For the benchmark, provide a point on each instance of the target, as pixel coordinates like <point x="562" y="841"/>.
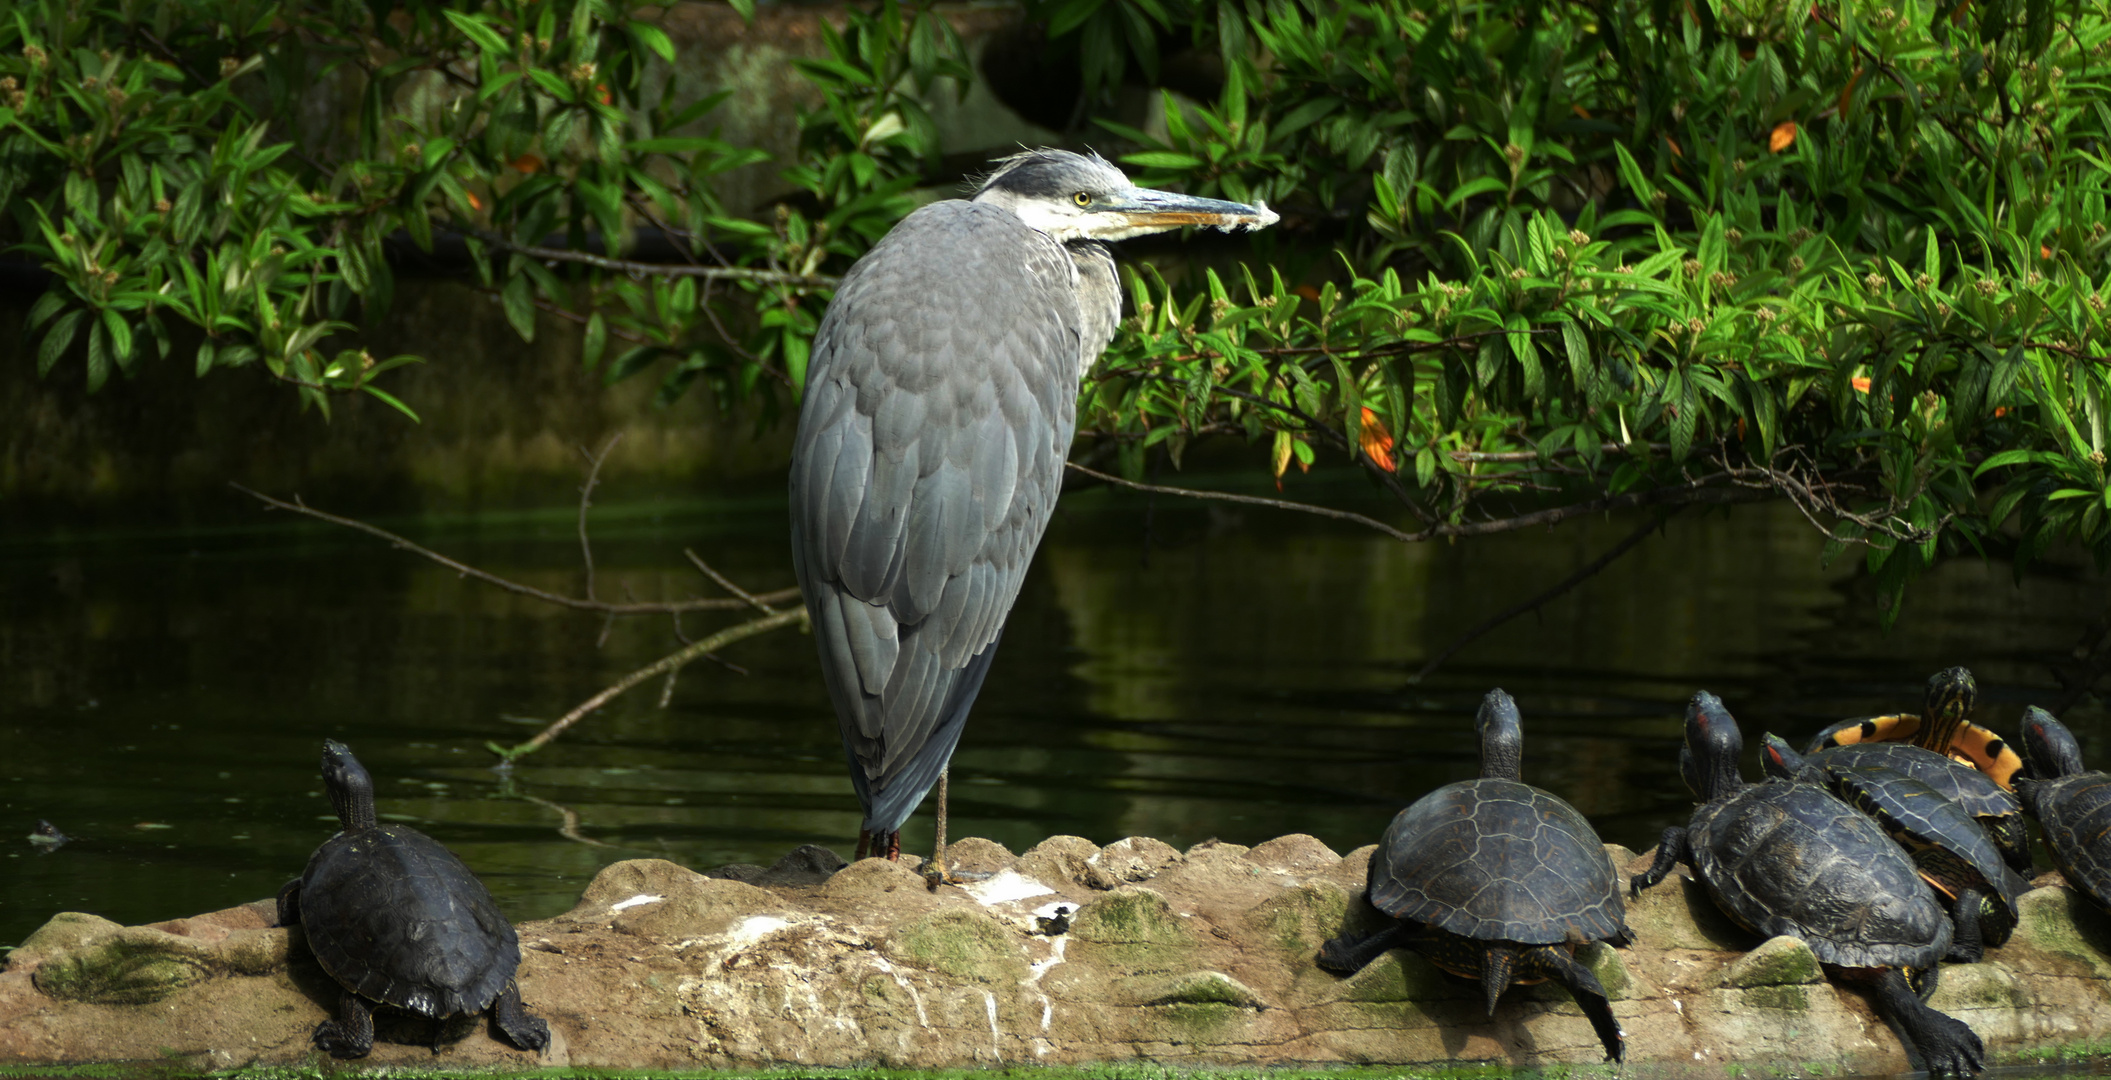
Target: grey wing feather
<point x="939" y="407"/>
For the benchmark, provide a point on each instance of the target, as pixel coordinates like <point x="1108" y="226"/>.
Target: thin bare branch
<point x="728" y="585"/>
<point x="670" y="662"/>
<point x="464" y="569"/>
<point x="1247" y="500"/>
<point x="646" y="269"/>
<point x="1579" y="577"/>
<point x="568" y="826"/>
<point x="586" y="499"/>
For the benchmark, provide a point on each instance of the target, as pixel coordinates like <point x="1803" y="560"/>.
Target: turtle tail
<point x="1498" y="971"/>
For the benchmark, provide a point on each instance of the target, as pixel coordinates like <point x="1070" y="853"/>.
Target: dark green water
<point x="163" y="695"/>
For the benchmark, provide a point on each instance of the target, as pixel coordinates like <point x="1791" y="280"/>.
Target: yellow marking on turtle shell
<point x="1973" y="745"/>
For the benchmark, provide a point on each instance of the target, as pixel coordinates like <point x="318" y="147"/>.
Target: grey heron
<point x="940" y="399"/>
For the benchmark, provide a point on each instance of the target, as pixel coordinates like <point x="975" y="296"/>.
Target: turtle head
<point x="1713" y="746"/>
<point x="1778" y="759"/>
<point x="1951" y="694"/>
<point x="2048" y="746"/>
<point x="351" y="789"/>
<point x="1502" y="737"/>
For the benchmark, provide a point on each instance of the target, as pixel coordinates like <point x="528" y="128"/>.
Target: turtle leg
<point x="1945" y="1044"/>
<point x="290" y="903"/>
<point x="1556" y="964"/>
<point x="1672" y="849"/>
<point x="1351" y="953"/>
<point x="1965" y="946"/>
<point x="351" y="1035"/>
<point x="522" y="1028"/>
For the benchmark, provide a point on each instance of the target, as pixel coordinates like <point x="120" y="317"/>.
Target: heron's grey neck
<point x="1099" y="298"/>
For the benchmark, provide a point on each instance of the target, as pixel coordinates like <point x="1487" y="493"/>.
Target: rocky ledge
<point x="1068" y="954"/>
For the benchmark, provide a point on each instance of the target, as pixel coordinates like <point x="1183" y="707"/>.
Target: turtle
<point x="394" y="917"/>
<point x="1787" y="857"/>
<point x="1954" y="854"/>
<point x="1935" y="727"/>
<point x="1496" y="880"/>
<point x="1982" y="791"/>
<point x="2072" y="805"/>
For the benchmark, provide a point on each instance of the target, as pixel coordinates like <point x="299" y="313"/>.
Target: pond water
<point x="1173" y="669"/>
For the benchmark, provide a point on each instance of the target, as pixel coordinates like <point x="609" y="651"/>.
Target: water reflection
<point x="1179" y="671"/>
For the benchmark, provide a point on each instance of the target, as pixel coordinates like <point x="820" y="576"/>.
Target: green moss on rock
<point x="123" y="970"/>
<point x="1778" y="961"/>
<point x="1302" y="919"/>
<point x="963" y="943"/>
<point x="1203" y="988"/>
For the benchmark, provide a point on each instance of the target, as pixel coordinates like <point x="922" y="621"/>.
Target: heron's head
<point x="1082" y="197"/>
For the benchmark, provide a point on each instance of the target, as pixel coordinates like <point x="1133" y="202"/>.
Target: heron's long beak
<point x="1139" y="211"/>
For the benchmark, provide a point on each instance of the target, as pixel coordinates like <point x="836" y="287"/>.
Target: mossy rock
<point x="64" y="932"/>
<point x="1778" y="961"/>
<point x="2059" y="921"/>
<point x="1679" y="914"/>
<point x="1131" y="931"/>
<point x="964" y="943"/>
<point x="1203" y="988"/>
<point x="133" y="968"/>
<point x="1979" y="986"/>
<point x="1300" y="920"/>
<point x="1778" y="998"/>
<point x="1401" y="975"/>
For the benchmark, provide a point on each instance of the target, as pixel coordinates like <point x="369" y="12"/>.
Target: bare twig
<point x="573" y="602"/>
<point x="568" y="826"/>
<point x="727" y="585"/>
<point x="586" y="499"/>
<point x="1715" y="487"/>
<point x="646" y="269"/>
<point x="1579" y="577"/>
<point x="670" y="662"/>
<point x="1249" y="500"/>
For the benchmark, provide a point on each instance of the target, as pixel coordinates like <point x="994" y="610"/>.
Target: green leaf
<point x="593" y="342"/>
<point x="653" y="38"/>
<point x="1163" y="159"/>
<point x="519" y="302"/>
<point x="57" y="340"/>
<point x="475" y="28"/>
<point x="391" y="400"/>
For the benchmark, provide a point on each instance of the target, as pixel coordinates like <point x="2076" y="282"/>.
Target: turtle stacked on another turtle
<point x="2071" y="803"/>
<point x="1788" y="858"/>
<point x="1953" y="852"/>
<point x="1962" y="761"/>
<point x="1496" y="880"/>
<point x="395" y="918"/>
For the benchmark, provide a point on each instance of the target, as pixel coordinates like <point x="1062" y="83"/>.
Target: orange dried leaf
<point x="1861" y="384"/>
<point x="474" y="202"/>
<point x="1377" y="442"/>
<point x="1849" y="91"/>
<point x="2044" y="251"/>
<point x="1784" y="136"/>
<point x="1674" y="146"/>
<point x="1580" y="111"/>
<point x="2000" y="410"/>
<point x="527" y="163"/>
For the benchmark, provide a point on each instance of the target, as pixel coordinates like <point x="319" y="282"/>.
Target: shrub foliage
<point x="1572" y="257"/>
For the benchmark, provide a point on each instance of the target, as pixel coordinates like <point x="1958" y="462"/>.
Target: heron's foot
<point x="934" y="871"/>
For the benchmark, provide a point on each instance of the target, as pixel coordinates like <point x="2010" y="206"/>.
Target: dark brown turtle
<point x="2072" y="805"/>
<point x="395" y="918"/>
<point x="1787" y="857"/>
<point x="1496" y="880"/>
<point x="1953" y="852"/>
<point x="1966" y="763"/>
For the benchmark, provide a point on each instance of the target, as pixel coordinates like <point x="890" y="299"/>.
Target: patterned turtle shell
<point x="2071" y="803"/>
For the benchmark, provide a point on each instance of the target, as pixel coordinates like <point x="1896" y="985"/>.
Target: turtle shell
<point x="1951" y="848"/>
<point x="1973" y="745"/>
<point x="393" y="916"/>
<point x="2075" y="811"/>
<point x="1998" y="810"/>
<point x="1787" y="857"/>
<point x="1498" y="860"/>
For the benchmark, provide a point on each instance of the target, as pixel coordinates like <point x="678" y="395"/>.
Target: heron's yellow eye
<point x="1082" y="198"/>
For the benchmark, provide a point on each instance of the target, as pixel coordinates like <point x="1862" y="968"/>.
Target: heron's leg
<point x="522" y="1028"/>
<point x="351" y="1035"/>
<point x="935" y="870"/>
<point x="864" y="845"/>
<point x="892" y="849"/>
